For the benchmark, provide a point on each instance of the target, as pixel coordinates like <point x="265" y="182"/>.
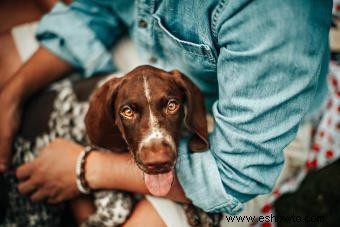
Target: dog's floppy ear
<point x="195" y="118"/>
<point x="99" y="120"/>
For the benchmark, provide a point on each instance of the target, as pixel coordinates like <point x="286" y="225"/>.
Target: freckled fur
<point x="155" y="132"/>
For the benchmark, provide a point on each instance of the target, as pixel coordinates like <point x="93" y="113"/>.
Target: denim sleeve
<point x="82" y="34"/>
<point x="272" y="59"/>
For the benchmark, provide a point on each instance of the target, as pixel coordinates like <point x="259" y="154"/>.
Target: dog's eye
<point x="172" y="106"/>
<point x="127" y="112"/>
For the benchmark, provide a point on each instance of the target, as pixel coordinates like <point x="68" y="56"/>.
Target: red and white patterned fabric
<point x="336" y="8"/>
<point x="325" y="147"/>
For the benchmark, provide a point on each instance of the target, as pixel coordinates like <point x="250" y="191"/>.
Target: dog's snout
<point x="157" y="157"/>
<point x="156" y="154"/>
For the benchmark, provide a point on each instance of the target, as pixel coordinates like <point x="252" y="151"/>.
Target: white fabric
<point x="172" y="213"/>
<point x="24" y="39"/>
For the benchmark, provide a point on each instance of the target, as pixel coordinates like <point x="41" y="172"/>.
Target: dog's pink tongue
<point x="159" y="184"/>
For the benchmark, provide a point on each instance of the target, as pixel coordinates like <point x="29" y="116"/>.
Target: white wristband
<point x="80" y="171"/>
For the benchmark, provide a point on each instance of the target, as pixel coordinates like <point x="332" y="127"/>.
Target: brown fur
<point x="108" y="129"/>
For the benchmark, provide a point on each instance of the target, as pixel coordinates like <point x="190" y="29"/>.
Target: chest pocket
<point x="190" y="57"/>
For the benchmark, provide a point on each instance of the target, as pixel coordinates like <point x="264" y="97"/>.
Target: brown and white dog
<point x="143" y="113"/>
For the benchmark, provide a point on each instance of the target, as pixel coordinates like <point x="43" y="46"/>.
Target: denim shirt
<point x="260" y="64"/>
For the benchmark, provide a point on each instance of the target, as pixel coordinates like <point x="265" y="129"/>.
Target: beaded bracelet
<point x="80" y="170"/>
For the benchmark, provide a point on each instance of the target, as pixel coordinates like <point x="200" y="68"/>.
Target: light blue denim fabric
<point x="260" y="64"/>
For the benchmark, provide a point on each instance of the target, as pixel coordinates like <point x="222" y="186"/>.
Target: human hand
<point x="52" y="174"/>
<point x="9" y="123"/>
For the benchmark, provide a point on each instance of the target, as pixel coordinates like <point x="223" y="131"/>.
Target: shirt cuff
<point x="199" y="176"/>
<point x="66" y="35"/>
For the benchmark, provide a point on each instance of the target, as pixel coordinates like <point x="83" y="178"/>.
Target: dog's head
<point x="143" y="112"/>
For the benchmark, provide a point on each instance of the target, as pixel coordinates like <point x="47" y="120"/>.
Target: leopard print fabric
<point x="65" y="114"/>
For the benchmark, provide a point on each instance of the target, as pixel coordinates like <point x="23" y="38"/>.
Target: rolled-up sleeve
<point x="82" y="34"/>
<point x="269" y="72"/>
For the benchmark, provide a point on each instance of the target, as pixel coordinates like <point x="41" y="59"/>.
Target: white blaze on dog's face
<point x="150" y="118"/>
<point x="156" y="134"/>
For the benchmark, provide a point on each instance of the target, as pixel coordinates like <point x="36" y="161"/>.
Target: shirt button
<point x="152" y="59"/>
<point x="142" y="23"/>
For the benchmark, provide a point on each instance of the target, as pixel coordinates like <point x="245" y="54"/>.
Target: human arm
<point x="78" y="36"/>
<point x="269" y="71"/>
<point x="119" y="171"/>
<point x="82" y="34"/>
<point x="40" y="70"/>
<point x="103" y="170"/>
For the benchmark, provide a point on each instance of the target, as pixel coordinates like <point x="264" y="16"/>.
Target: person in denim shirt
<point x="261" y="66"/>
